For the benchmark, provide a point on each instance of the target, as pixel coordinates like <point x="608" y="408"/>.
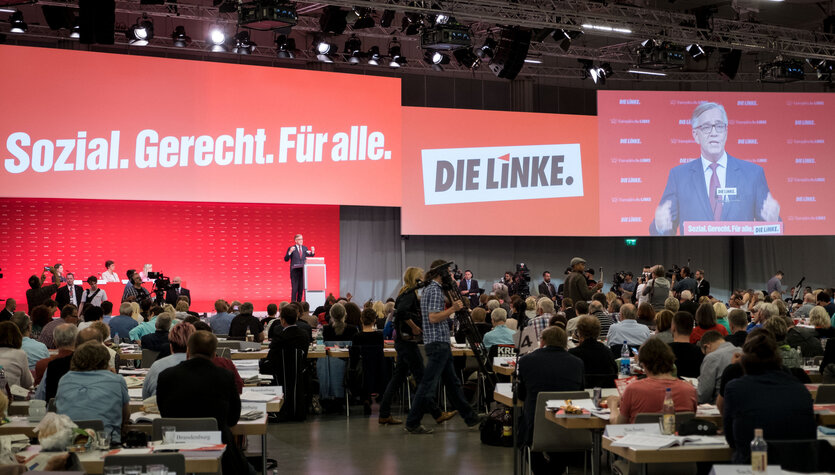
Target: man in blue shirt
<point x="628" y="329"/>
<point x="500" y="334"/>
<point x="220" y="322"/>
<point x="439" y="357"/>
<point x="35" y="350"/>
<point x="122" y="325"/>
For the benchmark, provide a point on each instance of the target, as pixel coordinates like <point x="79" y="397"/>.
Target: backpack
<point x="497" y="428"/>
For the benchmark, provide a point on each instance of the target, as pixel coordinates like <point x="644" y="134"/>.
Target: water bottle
<point x="668" y="417"/>
<point x="4" y="385"/>
<point x="759" y="453"/>
<point x="624" y="359"/>
<point x="116" y="339"/>
<point x="320" y="339"/>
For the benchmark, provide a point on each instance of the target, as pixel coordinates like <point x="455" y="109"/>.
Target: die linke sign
<point x="482" y="174"/>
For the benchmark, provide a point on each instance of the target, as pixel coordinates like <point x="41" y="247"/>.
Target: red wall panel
<point x="221" y="250"/>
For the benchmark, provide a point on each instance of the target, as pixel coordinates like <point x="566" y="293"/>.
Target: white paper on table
<point x="618" y="430"/>
<point x="503" y="360"/>
<point x="135" y="393"/>
<point x="134" y="451"/>
<point x="707" y="410"/>
<point x="274" y="390"/>
<point x="249" y="396"/>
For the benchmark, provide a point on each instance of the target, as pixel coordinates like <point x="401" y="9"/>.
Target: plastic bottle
<point x="4" y="385"/>
<point x="249" y="336"/>
<point x="624" y="359"/>
<point x="668" y="419"/>
<point x="507" y="424"/>
<point x="759" y="453"/>
<point x="320" y="339"/>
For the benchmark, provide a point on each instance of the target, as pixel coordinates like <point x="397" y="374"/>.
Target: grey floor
<point x="335" y="444"/>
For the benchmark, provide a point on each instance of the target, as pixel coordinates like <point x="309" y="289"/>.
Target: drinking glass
<point x="168" y="434"/>
<point x="111" y="470"/>
<point x="132" y="470"/>
<point x="157" y="469"/>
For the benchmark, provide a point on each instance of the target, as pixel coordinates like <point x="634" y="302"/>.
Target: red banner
<point x="112" y="126"/>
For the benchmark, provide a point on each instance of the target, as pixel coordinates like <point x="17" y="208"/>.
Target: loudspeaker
<point x="729" y="63"/>
<point x="511" y="52"/>
<point x="97" y="21"/>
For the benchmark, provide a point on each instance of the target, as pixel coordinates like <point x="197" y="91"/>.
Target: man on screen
<point x="717" y="187"/>
<point x="297" y="254"/>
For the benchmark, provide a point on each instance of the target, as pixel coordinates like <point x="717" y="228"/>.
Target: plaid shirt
<point x="540" y="323"/>
<point x="131" y="291"/>
<point x="432" y="301"/>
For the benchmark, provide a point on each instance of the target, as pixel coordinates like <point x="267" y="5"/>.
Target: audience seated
<point x="738" y="321"/>
<point x="198" y="388"/>
<point x="628" y="329"/>
<point x="596" y="310"/>
<point x="646" y="316"/>
<point x="158" y="341"/>
<point x="330" y="370"/>
<point x="122" y="324"/>
<point x="544" y="311"/>
<point x="35" y="350"/>
<point x="65" y="336"/>
<point x="664" y="325"/>
<point x="90" y="391"/>
<point x="92" y="314"/>
<point x="14" y="361"/>
<point x="177" y="342"/>
<point x="721" y="312"/>
<point x="688" y="357"/>
<point x="819" y="319"/>
<point x="647" y="395"/>
<point x="220" y="362"/>
<point x="500" y="334"/>
<point x="244" y="322"/>
<point x="687" y="304"/>
<point x="599" y="365"/>
<point x="804" y="338"/>
<point x="788" y="355"/>
<point x="672" y="304"/>
<point x="550" y="368"/>
<point x="705" y="322"/>
<point x="69" y="314"/>
<point x="718" y="356"/>
<point x="766" y="398"/>
<point x="40" y="316"/>
<point x="145" y="328"/>
<point x="221" y="321"/>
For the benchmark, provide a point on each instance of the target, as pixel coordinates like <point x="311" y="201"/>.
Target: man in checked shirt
<point x="439" y="359"/>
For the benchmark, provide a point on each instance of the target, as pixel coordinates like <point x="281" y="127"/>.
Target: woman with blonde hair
<point x="819" y="318"/>
<point x="722" y="315"/>
<point x="136" y="312"/>
<point x="407" y="327"/>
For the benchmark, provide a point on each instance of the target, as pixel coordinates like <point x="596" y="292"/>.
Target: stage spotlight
<point x="286" y="47"/>
<point x="141" y="32"/>
<point x="387" y="19"/>
<point x="243" y="45"/>
<point x="565" y="37"/>
<point x="364" y="19"/>
<point x="823" y="68"/>
<point x="218" y="38"/>
<point x="696" y="51"/>
<point x="323" y="50"/>
<point x="466" y="58"/>
<point x="487" y="50"/>
<point x="397" y="59"/>
<point x="353" y="48"/>
<point x="597" y="74"/>
<point x="75" y="32"/>
<point x="179" y="36"/>
<point x="374" y="56"/>
<point x="436" y="59"/>
<point x="412" y="22"/>
<point x="18" y="25"/>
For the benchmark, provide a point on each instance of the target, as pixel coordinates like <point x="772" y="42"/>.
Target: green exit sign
<point x="631" y="242"/>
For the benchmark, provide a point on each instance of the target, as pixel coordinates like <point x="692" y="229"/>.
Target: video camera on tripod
<point x="162" y="284"/>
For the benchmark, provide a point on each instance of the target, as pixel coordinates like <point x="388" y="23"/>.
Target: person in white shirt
<point x="110" y="275"/>
<point x="93" y="296"/>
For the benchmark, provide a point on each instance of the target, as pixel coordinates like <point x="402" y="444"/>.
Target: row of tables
<point x="642" y="457"/>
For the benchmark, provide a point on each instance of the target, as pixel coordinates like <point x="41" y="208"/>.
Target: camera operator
<point x="684" y="282"/>
<point x="657" y="289"/>
<point x="135" y="292"/>
<point x="172" y="295"/>
<point x="629" y="283"/>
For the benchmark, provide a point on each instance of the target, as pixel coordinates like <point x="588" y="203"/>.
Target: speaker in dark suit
<point x="199" y="388"/>
<point x="469" y="288"/>
<point x="63" y="296"/>
<point x="297" y="254"/>
<point x="173" y="294"/>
